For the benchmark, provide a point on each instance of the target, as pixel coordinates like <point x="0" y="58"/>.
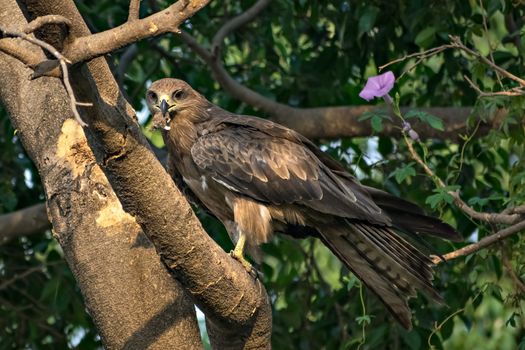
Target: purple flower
<point x="378" y="86"/>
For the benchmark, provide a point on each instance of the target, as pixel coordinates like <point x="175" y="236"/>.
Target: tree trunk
<point x="237" y="307"/>
<point x="132" y="299"/>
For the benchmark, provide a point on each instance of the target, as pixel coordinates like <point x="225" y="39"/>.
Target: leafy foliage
<point x="319" y="53"/>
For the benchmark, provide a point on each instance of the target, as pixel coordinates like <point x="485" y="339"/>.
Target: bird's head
<point x="168" y="97"/>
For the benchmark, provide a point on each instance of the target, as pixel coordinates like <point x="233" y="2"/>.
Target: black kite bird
<point x="259" y="177"/>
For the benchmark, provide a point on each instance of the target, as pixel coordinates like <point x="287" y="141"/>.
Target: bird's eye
<point x="152" y="96"/>
<point x="179" y="94"/>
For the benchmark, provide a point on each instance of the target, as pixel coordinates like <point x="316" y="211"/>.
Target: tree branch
<point x="23" y="222"/>
<point x="510" y="270"/>
<point x="63" y="61"/>
<point x="39" y="22"/>
<point x="455" y="43"/>
<point x="20" y="276"/>
<point x="236" y="22"/>
<point x="323" y="122"/>
<point x="134" y="10"/>
<point x="88" y="47"/>
<point x="125" y="59"/>
<point x="29" y="58"/>
<point x="483" y="243"/>
<point x="501" y="218"/>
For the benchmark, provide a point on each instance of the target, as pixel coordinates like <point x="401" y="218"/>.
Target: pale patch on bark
<point x="113" y="214"/>
<point x="153" y="28"/>
<point x="72" y="147"/>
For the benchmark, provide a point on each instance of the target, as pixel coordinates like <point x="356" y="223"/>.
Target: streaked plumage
<point x="259" y="177"/>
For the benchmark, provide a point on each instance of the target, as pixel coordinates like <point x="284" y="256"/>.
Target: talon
<point x="237" y="254"/>
<point x="245" y="263"/>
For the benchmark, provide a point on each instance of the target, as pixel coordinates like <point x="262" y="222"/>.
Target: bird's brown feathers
<point x="258" y="177"/>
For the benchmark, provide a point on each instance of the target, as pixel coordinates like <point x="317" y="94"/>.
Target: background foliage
<point x="307" y="54"/>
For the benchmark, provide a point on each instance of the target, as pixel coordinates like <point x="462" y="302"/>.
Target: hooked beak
<point x="164" y="107"/>
<point x="162" y="120"/>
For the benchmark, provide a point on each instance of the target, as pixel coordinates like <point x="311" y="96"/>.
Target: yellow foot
<point x="245" y="263"/>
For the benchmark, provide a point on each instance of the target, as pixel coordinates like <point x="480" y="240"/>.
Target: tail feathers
<point x="428" y="225"/>
<point x="410" y="218"/>
<point x="388" y="293"/>
<point x="389" y="265"/>
<point x="405" y="265"/>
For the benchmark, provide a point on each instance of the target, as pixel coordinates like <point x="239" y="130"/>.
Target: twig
<point x="134" y="10"/>
<point x="500" y="218"/>
<point x="510" y="270"/>
<point x="236" y="22"/>
<point x="24" y="274"/>
<point x="125" y="59"/>
<point x="43" y="20"/>
<point x="420" y="55"/>
<point x="61" y="59"/>
<point x="485" y="26"/>
<point x="483" y="243"/>
<point x="509" y="93"/>
<point x="455" y="43"/>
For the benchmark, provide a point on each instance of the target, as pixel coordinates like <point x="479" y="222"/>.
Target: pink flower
<point x="378" y="86"/>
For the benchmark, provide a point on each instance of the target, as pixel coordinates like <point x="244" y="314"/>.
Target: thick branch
<point x="26" y="56"/>
<point x="331" y="122"/>
<point x="483" y="243"/>
<point x="23" y="222"/>
<point x="88" y="47"/>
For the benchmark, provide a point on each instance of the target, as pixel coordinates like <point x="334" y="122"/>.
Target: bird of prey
<point x="259" y="177"/>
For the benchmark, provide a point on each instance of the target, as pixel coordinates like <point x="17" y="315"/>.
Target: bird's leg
<point x="238" y="254"/>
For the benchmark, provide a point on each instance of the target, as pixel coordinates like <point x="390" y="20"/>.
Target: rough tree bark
<point x="236" y="306"/>
<point x="132" y="299"/>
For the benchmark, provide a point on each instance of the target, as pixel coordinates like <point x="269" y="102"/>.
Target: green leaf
<point x="381" y="113"/>
<point x="412" y="339"/>
<point x="377" y="123"/>
<point x="351" y="282"/>
<point x="404" y="173"/>
<point x="367" y="20"/>
<point x="434" y="200"/>
<point x="363" y="319"/>
<point x="427" y="118"/>
<point x="426" y="37"/>
<point x="441" y="196"/>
